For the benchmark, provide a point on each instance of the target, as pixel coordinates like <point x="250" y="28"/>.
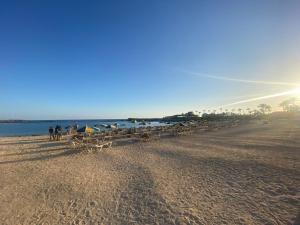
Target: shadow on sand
<point x="61" y="148"/>
<point x="32" y="152"/>
<point x="42" y="157"/>
<point x="297" y="221"/>
<point x="40" y="140"/>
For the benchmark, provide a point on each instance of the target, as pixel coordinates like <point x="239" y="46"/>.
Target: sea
<point x="29" y="128"/>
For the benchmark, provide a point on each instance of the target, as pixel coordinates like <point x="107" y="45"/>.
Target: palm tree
<point x="264" y="108"/>
<point x="232" y="111"/>
<point x="240" y="111"/>
<point x="290" y="105"/>
<point x="249" y="110"/>
<point x="256" y="112"/>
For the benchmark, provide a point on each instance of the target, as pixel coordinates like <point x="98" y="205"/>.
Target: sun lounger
<point x="76" y="143"/>
<point x="98" y="147"/>
<point x="97" y="142"/>
<point x="89" y="144"/>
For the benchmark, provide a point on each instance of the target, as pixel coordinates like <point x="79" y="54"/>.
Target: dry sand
<point x="248" y="174"/>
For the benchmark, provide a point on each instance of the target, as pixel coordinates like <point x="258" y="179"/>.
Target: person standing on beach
<point x="51" y="133"/>
<point x="58" y="132"/>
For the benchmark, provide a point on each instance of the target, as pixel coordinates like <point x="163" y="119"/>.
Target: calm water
<point x="41" y="127"/>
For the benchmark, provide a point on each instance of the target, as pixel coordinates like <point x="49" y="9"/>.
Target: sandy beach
<point x="249" y="174"/>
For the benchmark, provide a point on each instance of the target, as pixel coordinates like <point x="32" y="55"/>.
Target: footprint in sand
<point x="79" y="222"/>
<point x="92" y="204"/>
<point x="72" y="203"/>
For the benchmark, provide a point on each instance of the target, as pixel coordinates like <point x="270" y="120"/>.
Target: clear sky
<point x="116" y="59"/>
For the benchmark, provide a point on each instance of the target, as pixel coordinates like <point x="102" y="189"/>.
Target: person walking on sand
<point x="51" y="133"/>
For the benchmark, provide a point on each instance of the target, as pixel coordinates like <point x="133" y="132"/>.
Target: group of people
<point x="55" y="133"/>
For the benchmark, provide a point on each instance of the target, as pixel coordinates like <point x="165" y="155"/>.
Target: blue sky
<point x="116" y="59"/>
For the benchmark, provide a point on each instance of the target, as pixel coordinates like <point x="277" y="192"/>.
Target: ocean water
<point x="41" y="127"/>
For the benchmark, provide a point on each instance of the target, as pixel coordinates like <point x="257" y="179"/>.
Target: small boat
<point x="116" y="124"/>
<point x="112" y="126"/>
<point x="182" y="124"/>
<point x="96" y="129"/>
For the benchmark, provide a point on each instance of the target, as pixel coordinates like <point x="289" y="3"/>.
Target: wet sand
<point x="248" y="174"/>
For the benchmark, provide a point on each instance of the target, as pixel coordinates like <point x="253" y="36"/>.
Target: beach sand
<point x="249" y="174"/>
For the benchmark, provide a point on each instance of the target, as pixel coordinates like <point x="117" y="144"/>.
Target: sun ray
<point x="240" y="80"/>
<point x="285" y="93"/>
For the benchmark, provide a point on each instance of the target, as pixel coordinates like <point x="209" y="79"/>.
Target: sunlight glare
<point x="292" y="92"/>
<point x="298" y="92"/>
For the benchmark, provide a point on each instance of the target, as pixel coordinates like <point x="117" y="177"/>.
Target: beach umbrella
<point x="85" y="129"/>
